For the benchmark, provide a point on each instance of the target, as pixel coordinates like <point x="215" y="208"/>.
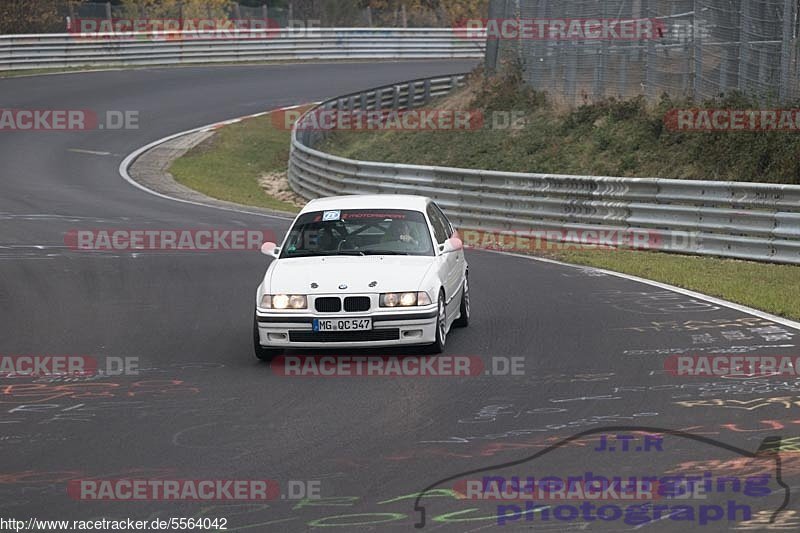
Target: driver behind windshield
<point x="399" y="230"/>
<point x="360" y="233"/>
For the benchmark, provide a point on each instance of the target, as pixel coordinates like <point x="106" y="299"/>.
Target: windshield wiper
<point x="348" y="252"/>
<point x="378" y="252"/>
<point x="326" y="254"/>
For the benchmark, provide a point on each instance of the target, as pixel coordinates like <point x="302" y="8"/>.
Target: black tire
<point x="441" y="328"/>
<point x="261" y="353"/>
<point x="463" y="320"/>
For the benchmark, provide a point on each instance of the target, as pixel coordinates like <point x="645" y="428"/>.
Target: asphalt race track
<point x="593" y="348"/>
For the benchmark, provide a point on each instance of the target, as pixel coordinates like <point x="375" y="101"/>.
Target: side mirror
<point x="271" y="249"/>
<point x="453" y="244"/>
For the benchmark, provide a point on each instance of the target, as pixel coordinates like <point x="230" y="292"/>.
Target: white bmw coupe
<point x="363" y="271"/>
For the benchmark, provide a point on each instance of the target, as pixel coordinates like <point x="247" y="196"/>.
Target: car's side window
<point x="438" y="223"/>
<point x="446" y="221"/>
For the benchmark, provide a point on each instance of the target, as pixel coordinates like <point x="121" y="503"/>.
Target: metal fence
<point x="704" y="48"/>
<point x="754" y="221"/>
<point x="18" y="52"/>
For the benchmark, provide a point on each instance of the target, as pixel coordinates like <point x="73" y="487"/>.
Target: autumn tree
<point x="24" y="16"/>
<point x="446" y="11"/>
<point x="187" y="9"/>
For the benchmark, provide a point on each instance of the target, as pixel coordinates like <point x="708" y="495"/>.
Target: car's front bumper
<point x="415" y="326"/>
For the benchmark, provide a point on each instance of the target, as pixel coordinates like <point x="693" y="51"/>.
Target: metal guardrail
<point x="19" y="52"/>
<point x="754" y="221"/>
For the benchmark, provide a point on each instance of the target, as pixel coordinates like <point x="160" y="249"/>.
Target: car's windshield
<point x="359" y="232"/>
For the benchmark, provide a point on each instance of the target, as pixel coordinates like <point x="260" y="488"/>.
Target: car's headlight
<point x="284" y="301"/>
<point x="404" y="299"/>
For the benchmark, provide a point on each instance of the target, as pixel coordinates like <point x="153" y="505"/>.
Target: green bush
<point x="606" y="137"/>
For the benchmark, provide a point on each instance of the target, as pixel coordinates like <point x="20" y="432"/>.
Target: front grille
<point x="328" y="305"/>
<point x="354" y="304"/>
<point x="392" y="334"/>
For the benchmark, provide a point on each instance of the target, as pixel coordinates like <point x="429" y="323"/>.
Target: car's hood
<point x="392" y="273"/>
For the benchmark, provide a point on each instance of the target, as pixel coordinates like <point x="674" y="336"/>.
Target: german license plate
<point x="344" y="324"/>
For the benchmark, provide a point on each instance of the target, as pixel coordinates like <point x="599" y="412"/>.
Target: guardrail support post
<point x="786" y="51"/>
<point x="723" y="71"/>
<point x="650" y="72"/>
<point x="427" y="96"/>
<point x="744" y="39"/>
<point x="625" y="60"/>
<point x="600" y="63"/>
<point x="395" y="97"/>
<point x="697" y="38"/>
